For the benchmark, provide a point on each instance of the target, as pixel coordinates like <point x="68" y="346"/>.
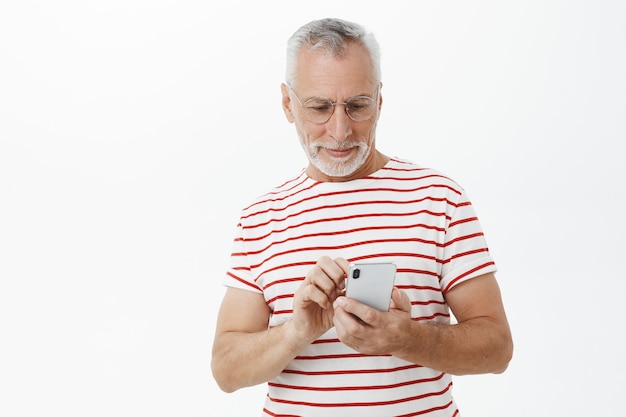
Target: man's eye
<point x="320" y="106"/>
<point x="360" y="104"/>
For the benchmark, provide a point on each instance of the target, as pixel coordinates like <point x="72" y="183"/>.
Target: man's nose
<point x="339" y="125"/>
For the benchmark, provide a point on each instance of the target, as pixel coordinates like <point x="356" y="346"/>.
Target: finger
<point x="345" y="266"/>
<point x="400" y="301"/>
<point x="351" y="330"/>
<point x="334" y="269"/>
<point x="317" y="278"/>
<point x="348" y="326"/>
<point x="311" y="293"/>
<point x="366" y="314"/>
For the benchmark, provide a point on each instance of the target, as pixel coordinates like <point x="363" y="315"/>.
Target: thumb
<point x="400" y="301"/>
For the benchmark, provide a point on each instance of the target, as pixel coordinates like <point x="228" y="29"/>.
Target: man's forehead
<point x="322" y="71"/>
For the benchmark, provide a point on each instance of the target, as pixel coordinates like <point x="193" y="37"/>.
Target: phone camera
<point x="356" y="273"/>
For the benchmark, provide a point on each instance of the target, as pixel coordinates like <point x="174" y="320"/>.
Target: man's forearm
<point x="245" y="359"/>
<point x="476" y="346"/>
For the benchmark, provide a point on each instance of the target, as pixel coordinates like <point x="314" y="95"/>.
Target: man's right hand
<point x="313" y="301"/>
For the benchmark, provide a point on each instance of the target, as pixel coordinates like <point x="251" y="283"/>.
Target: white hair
<point x="332" y="35"/>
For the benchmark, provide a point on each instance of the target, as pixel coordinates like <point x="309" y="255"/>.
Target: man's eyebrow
<point x="304" y="100"/>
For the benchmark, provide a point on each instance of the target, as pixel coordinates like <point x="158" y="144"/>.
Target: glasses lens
<point x="360" y="108"/>
<point x="318" y="110"/>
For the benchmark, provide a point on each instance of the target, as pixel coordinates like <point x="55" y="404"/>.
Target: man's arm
<point x="246" y="352"/>
<point x="480" y="343"/>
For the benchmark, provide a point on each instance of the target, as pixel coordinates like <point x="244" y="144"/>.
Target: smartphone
<point x="371" y="283"/>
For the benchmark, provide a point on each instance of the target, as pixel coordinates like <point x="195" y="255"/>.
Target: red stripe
<point x="283" y="281"/>
<point x="358" y="258"/>
<point x="357" y="203"/>
<point x="308" y="263"/>
<point x="430" y="317"/>
<point x="341" y="218"/>
<point x="427" y="303"/>
<point x="279" y="312"/>
<point x="462" y="238"/>
<point x="394" y="254"/>
<point x="266" y="411"/>
<point x="363" y="404"/>
<point x="337" y="356"/>
<point x="321" y="341"/>
<point x="352" y="371"/>
<point x="335" y="247"/>
<point x="413" y="178"/>
<point x="461" y="221"/>
<point x="358" y="388"/>
<point x="416" y="271"/>
<point x="280" y="297"/>
<point x="419" y="287"/>
<point x="471" y="271"/>
<point x="256" y="288"/>
<point x="430" y="410"/>
<point x="413" y="169"/>
<point x="462" y="254"/>
<point x="336" y="233"/>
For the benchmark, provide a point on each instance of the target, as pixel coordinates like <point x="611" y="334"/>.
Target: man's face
<point x="340" y="149"/>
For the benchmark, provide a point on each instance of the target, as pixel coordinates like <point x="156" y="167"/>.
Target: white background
<point x="131" y="132"/>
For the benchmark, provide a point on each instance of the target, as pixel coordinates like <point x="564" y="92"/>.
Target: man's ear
<point x="287" y="103"/>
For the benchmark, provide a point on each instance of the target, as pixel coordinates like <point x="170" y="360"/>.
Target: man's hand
<point x="481" y="324"/>
<point x="313" y="301"/>
<point x="371" y="331"/>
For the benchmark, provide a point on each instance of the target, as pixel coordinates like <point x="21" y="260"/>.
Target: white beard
<point x="336" y="167"/>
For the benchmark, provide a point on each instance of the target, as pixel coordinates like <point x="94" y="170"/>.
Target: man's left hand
<point x="371" y="331"/>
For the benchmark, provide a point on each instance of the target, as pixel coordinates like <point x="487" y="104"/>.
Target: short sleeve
<point x="239" y="273"/>
<point x="465" y="253"/>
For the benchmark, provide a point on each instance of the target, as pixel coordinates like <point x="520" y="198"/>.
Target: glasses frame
<point x="345" y="104"/>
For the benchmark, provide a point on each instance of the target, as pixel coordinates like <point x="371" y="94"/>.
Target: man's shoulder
<point x="404" y="169"/>
<point x="295" y="184"/>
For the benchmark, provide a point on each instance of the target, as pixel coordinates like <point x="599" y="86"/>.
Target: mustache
<point x="339" y="145"/>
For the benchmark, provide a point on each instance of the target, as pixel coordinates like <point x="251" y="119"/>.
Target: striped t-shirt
<point x="412" y="216"/>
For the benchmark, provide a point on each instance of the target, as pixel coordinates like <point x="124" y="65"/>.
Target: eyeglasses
<point x="319" y="110"/>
